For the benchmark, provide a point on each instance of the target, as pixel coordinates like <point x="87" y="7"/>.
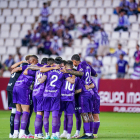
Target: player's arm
<point x="71" y="79"/>
<point x="42" y="69"/>
<point x="78" y="91"/>
<point x="18" y="63"/>
<point x="16" y="70"/>
<point x="89" y="86"/>
<point x="42" y="79"/>
<point x="32" y="67"/>
<point x="93" y="72"/>
<point x="72" y="72"/>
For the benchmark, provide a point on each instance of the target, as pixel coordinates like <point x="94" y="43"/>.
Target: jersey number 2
<point x="55" y="77"/>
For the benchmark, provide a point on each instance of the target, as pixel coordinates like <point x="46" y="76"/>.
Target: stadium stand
<point x="18" y="16"/>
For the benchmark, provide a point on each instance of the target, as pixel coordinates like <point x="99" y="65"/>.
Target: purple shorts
<point x="96" y="104"/>
<point x="21" y="95"/>
<point x="86" y="104"/>
<point x="38" y="103"/>
<point x="51" y="103"/>
<point x="67" y="107"/>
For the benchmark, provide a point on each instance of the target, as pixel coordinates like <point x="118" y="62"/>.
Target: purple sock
<point x="24" y="120"/>
<point x="87" y="127"/>
<point x="17" y="120"/>
<point x="37" y="123"/>
<point x="59" y="122"/>
<point x="96" y="127"/>
<point x="78" y="121"/>
<point x="46" y="121"/>
<point x="65" y="121"/>
<point x="54" y="121"/>
<point x="91" y="127"/>
<point x="70" y="123"/>
<point x="40" y="130"/>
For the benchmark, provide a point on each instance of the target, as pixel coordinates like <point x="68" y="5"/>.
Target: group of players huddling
<point x="54" y="86"/>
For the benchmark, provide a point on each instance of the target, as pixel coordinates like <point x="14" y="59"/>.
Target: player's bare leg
<point x="24" y="120"/>
<point x="17" y="120"/>
<point x="91" y="122"/>
<point x="38" y="125"/>
<point x="96" y="124"/>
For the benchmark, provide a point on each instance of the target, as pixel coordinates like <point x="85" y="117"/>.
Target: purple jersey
<point x="53" y="83"/>
<point x="68" y="89"/>
<point x="25" y="81"/>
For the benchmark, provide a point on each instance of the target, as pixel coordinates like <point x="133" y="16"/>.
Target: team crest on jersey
<point x="81" y="69"/>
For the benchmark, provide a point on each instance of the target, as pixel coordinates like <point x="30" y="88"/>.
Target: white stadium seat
<point x="126" y="58"/>
<point x="98" y="3"/>
<point x="2" y="50"/>
<point x="105" y="69"/>
<point x="11" y="50"/>
<point x="68" y="51"/>
<point x="135" y="27"/>
<point x="26" y="12"/>
<point x="124" y="35"/>
<point x="74" y="11"/>
<point x="131" y="52"/>
<point x="107" y="3"/>
<point x="23" y="50"/>
<point x="132" y="43"/>
<point x="116" y="3"/>
<point x="91" y="11"/>
<point x="13" y="4"/>
<point x="109" y="11"/>
<point x="3" y="4"/>
<point x="108" y="27"/>
<point x="77" y="50"/>
<point x="26" y="27"/>
<point x="113" y="76"/>
<point x="81" y="3"/>
<point x="6" y="12"/>
<point x="114" y="19"/>
<point x="112" y="70"/>
<point x="55" y="4"/>
<point x="134" y="35"/>
<point x="18" y="43"/>
<point x="22" y="4"/>
<point x="14" y="34"/>
<point x="105" y="19"/>
<point x="4" y="57"/>
<point x="2" y="19"/>
<point x="16" y="12"/>
<point x="10" y="19"/>
<point x="5" y="27"/>
<point x="82" y="11"/>
<point x="72" y="3"/>
<point x="65" y="12"/>
<point x="15" y="27"/>
<point x="132" y="19"/>
<point x="88" y="58"/>
<point x="113" y="61"/>
<point x="100" y="11"/>
<point x="6" y="74"/>
<point x="130" y="70"/>
<point x="63" y="4"/>
<point x="107" y="60"/>
<point x="131" y="62"/>
<point x="30" y="19"/>
<point x="57" y="11"/>
<point x="77" y="42"/>
<point x="4" y="34"/>
<point x="22" y="34"/>
<point x="89" y="3"/>
<point x="32" y="4"/>
<point x="116" y="35"/>
<point x="113" y="43"/>
<point x="1" y="42"/>
<point x="33" y="50"/>
<point x="36" y="12"/>
<point x="51" y="19"/>
<point x="9" y="42"/>
<point x="85" y="42"/>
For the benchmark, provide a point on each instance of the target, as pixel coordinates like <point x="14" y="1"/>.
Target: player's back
<point x="68" y="89"/>
<point x="53" y="83"/>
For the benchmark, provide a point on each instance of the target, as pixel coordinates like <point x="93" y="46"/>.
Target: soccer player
<point x="67" y="99"/>
<point x="51" y="96"/>
<point x="9" y="89"/>
<point x="96" y="109"/>
<point x="85" y="96"/>
<point x="21" y="94"/>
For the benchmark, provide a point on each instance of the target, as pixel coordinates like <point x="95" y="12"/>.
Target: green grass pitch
<point x="114" y="126"/>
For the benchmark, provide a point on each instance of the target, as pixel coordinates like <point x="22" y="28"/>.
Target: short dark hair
<point x="58" y="57"/>
<point x="34" y="56"/>
<point x="44" y="61"/>
<point x="58" y="60"/>
<point x="69" y="63"/>
<point x="64" y="61"/>
<point x="44" y="3"/>
<point x="50" y="61"/>
<point x="122" y="55"/>
<point x="75" y="57"/>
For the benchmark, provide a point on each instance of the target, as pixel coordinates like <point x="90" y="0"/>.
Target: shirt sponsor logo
<point x="50" y="90"/>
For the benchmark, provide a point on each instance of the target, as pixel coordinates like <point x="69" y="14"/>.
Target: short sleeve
<point x="80" y="68"/>
<point x="24" y="67"/>
<point x="93" y="72"/>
